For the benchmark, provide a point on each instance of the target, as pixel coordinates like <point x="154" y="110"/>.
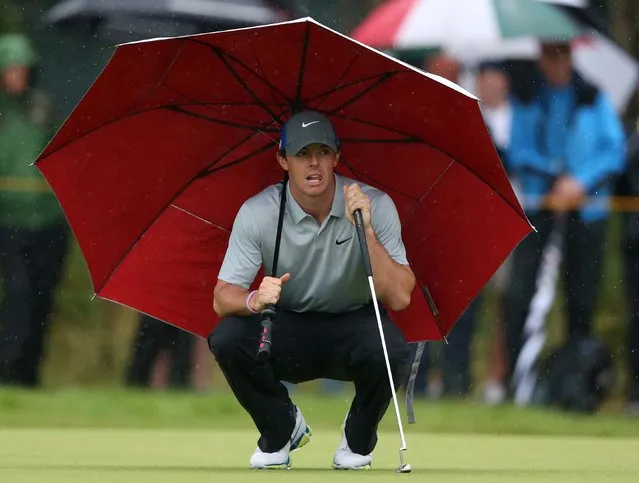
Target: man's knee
<point x="226" y="340"/>
<point x="371" y="358"/>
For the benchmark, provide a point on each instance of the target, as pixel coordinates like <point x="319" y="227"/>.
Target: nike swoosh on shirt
<point x="339" y="242"/>
<point x="306" y="124"/>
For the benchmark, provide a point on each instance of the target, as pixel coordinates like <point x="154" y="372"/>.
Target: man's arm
<point x="230" y="299"/>
<point x="394" y="279"/>
<point x="523" y="154"/>
<point x="240" y="266"/>
<point x="394" y="282"/>
<point x="608" y="160"/>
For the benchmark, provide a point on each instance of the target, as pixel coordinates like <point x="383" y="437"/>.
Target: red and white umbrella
<point x="407" y="24"/>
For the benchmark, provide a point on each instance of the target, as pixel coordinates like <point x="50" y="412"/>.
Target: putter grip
<point x="361" y="234"/>
<point x="264" y="351"/>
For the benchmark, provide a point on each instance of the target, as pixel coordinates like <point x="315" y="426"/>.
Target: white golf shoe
<point x="345" y="459"/>
<point x="281" y="459"/>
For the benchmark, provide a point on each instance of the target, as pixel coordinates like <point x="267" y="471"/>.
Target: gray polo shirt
<point x="325" y="262"/>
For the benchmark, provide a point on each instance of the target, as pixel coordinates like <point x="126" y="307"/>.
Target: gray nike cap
<point x="307" y="127"/>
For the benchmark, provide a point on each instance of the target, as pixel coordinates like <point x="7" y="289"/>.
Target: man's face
<point x="492" y="87"/>
<point x="310" y="171"/>
<point x="556" y="64"/>
<point x="15" y="79"/>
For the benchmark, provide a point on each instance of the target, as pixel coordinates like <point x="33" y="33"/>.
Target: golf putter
<point x="359" y="226"/>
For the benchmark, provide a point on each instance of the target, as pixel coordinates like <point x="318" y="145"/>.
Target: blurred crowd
<point x="567" y="151"/>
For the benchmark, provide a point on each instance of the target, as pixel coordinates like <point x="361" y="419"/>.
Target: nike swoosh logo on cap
<point x="306" y="124"/>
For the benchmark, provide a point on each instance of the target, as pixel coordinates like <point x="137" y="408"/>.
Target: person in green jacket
<point x="33" y="229"/>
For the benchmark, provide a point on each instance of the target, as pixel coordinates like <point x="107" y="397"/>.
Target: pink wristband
<point x="248" y="302"/>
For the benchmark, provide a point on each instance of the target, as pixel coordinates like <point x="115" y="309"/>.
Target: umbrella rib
<point x="240" y="160"/>
<point x="270" y="86"/>
<point x="439" y="150"/>
<point x="224" y="57"/>
<point x="223" y="103"/>
<point x="352" y="83"/>
<point x="204" y="220"/>
<point x="381" y="185"/>
<point x="101" y="126"/>
<point x="168" y="204"/>
<point x="194" y="102"/>
<point x="430" y="188"/>
<point x="474" y="173"/>
<point x="379" y="126"/>
<point x="251" y="127"/>
<point x="212" y="105"/>
<point x="382" y="79"/>
<point x="297" y="103"/>
<point x="137" y="113"/>
<point x="242" y="64"/>
<point x="381" y="141"/>
<point x="334" y="89"/>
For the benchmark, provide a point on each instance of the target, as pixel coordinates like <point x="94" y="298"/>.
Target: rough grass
<point x="86" y="408"/>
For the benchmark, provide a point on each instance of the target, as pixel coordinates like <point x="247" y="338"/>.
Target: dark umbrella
<point x="126" y="20"/>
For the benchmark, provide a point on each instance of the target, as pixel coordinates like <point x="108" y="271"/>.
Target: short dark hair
<point x="491" y="65"/>
<point x="555" y="47"/>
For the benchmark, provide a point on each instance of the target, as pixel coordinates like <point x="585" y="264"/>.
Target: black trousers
<point x="305" y="347"/>
<point x="582" y="265"/>
<point x="456" y="365"/>
<point x="153" y="337"/>
<point x="632" y="290"/>
<point x="31" y="263"/>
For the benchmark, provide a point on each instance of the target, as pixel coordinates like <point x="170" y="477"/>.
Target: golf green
<point x="159" y="456"/>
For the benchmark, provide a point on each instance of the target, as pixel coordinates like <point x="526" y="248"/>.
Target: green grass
<point x="125" y="455"/>
<point x="85" y="408"/>
<point x="86" y="435"/>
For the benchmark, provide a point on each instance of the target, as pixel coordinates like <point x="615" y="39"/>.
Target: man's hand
<point x="268" y="292"/>
<point x="356" y="199"/>
<point x="567" y="193"/>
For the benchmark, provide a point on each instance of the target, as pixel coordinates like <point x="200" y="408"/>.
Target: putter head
<point x="403" y="467"/>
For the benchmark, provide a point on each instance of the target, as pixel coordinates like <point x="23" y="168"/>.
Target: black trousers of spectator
<point x="582" y="271"/>
<point x="456" y="364"/>
<point x="306" y="347"/>
<point x="632" y="289"/>
<point x="153" y="337"/>
<point x="31" y="263"/>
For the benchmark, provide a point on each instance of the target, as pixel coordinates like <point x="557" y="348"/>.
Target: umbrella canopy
<point x="582" y="10"/>
<point x="123" y="20"/>
<point x="404" y="24"/>
<point x="597" y="58"/>
<point x="156" y="160"/>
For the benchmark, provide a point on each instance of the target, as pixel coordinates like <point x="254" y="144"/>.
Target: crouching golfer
<point x="325" y="325"/>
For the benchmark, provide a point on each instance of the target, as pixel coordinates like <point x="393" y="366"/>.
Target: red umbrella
<point x="175" y="134"/>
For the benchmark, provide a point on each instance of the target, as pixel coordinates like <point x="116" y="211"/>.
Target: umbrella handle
<point x="268" y="313"/>
<point x="267" y="316"/>
<point x="359" y="226"/>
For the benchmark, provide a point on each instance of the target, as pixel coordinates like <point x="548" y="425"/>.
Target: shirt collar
<point x="337" y="207"/>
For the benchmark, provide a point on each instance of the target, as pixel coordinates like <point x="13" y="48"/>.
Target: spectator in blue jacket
<point x="566" y="150"/>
